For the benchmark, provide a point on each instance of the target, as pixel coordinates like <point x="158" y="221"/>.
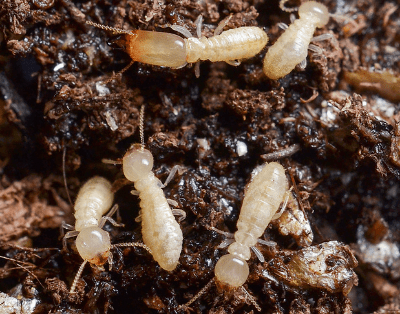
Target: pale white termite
<point x="170" y="50"/>
<point x="93" y="243"/>
<point x="263" y="196"/>
<point x="291" y="47"/>
<point x="160" y="231"/>
<point x="262" y="199"/>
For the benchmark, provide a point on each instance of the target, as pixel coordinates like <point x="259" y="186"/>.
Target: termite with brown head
<point x="263" y="197"/>
<point x="291" y="47"/>
<point x="160" y="231"/>
<point x="170" y="50"/>
<point x="93" y="243"/>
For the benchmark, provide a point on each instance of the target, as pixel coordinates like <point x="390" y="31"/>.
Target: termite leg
<point x="112" y="211"/>
<point x="182" y="30"/>
<point x="172" y="173"/>
<point x="139" y="217"/>
<point x="69" y="234"/>
<point x="283" y="26"/>
<point x="315" y="49"/>
<point x="287" y="195"/>
<point x="221" y="25"/>
<point x="226" y="234"/>
<point x="198" y="22"/>
<point x="179" y="213"/>
<point x="64" y="225"/>
<point x="225" y="243"/>
<point x="197" y="69"/>
<point x="108" y="218"/>
<point x="267" y="243"/>
<point x="235" y="63"/>
<point x="258" y="254"/>
<point x="172" y="203"/>
<point x="322" y="37"/>
<point x="303" y="64"/>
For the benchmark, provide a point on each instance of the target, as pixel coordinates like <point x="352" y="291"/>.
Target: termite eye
<point x="232" y="270"/>
<point x="118" y="42"/>
<point x="137" y="163"/>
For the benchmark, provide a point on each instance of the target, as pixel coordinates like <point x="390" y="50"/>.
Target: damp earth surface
<point x="333" y="126"/>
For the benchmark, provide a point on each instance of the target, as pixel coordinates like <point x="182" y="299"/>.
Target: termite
<point x="170" y="50"/>
<point x="92" y="242"/>
<point x="263" y="197"/>
<point x="160" y="231"/>
<point x="291" y="47"/>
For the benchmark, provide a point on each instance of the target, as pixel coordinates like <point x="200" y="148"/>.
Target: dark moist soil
<point x="332" y="126"/>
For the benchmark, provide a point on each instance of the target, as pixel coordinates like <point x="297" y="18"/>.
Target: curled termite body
<point x="291" y="47"/>
<point x="160" y="231"/>
<point x="92" y="242"/>
<point x="170" y="50"/>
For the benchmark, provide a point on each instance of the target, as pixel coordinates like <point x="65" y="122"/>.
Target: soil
<point x="333" y="126"/>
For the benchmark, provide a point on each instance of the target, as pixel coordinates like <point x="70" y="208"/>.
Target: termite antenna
<point x="65" y="176"/>
<point x="141" y="125"/>
<point x="77" y="276"/>
<point x="286" y="9"/>
<point x="251" y="299"/>
<point x="133" y="244"/>
<point x="198" y="295"/>
<point x="109" y="28"/>
<point x="115" y="31"/>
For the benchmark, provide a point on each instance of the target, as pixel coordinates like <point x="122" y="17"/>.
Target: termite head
<point x="231" y="270"/>
<point x="93" y="244"/>
<point x="315" y="9"/>
<point x="137" y="162"/>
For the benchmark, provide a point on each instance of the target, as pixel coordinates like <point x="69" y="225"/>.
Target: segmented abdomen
<point x="233" y="44"/>
<point x="262" y="198"/>
<point x="93" y="201"/>
<point x="289" y="50"/>
<point x="160" y="231"/>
